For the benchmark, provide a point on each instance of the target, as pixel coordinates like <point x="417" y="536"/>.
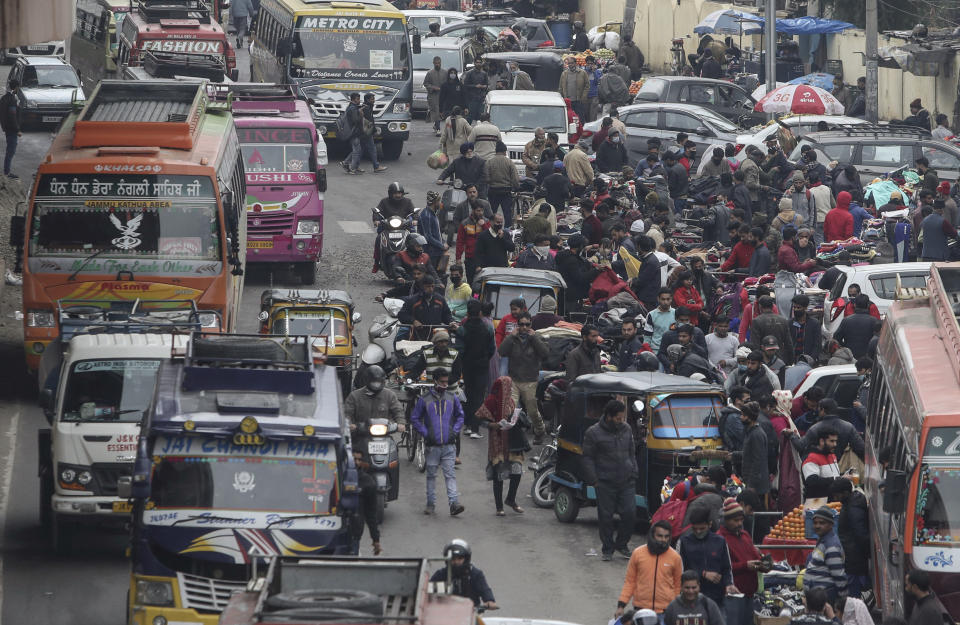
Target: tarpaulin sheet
<point x="811" y="26"/>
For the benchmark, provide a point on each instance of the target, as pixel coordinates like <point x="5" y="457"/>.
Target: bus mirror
<point x="321" y="180"/>
<point x="416" y="43"/>
<point x="895" y="492"/>
<point x="46" y="403"/>
<point x="356" y="317"/>
<point x="125" y="487"/>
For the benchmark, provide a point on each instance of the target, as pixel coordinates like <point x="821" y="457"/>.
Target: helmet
<point x="394" y="188"/>
<point x="647" y="361"/>
<point x="674" y="352"/>
<point x="416" y="239"/>
<point x="645" y="616"/>
<point x="457" y="548"/>
<point x="376" y="372"/>
<point x="372" y="353"/>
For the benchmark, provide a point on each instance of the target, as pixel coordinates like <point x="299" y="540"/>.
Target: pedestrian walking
<point x="454" y="134"/>
<point x="692" y="606"/>
<point x="706" y="553"/>
<point x="240" y="13"/>
<point x="653" y="575"/>
<point x="438" y="417"/>
<point x="10" y="124"/>
<point x="477" y="348"/>
<point x="476" y="83"/>
<point x="526" y="351"/>
<point x="368" y="128"/>
<point x="433" y="83"/>
<point x="506" y="444"/>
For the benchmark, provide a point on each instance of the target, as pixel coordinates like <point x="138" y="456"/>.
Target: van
<point x="453" y="52"/>
<point x="518" y="113"/>
<point x="422" y="18"/>
<point x="93" y="46"/>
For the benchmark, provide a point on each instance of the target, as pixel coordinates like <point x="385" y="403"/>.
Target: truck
<point x="312" y="590"/>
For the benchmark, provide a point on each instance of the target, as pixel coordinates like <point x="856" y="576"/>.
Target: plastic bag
<point x="437" y="160"/>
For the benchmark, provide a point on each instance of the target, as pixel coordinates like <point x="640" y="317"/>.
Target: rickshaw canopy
<point x="632" y="383"/>
<point x="307" y="297"/>
<point x="521" y="277"/>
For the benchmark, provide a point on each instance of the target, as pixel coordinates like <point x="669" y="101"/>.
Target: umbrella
<point x="729" y="22"/>
<point x="761" y="90"/>
<point x="817" y="79"/>
<point x="799" y="99"/>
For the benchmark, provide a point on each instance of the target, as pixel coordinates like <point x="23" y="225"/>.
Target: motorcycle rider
<point x="466" y="579"/>
<point x="425" y="311"/>
<point x="405" y="261"/>
<point x="439" y="356"/>
<point x="373" y="401"/>
<point x="396" y="204"/>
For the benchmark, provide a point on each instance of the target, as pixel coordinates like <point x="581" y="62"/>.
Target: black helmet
<point x="647" y="361"/>
<point x="457" y="548"/>
<point x="416" y="239"/>
<point x="395" y="187"/>
<point x="376" y="372"/>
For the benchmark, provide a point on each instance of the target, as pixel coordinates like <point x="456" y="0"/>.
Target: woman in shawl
<point x="506" y="443"/>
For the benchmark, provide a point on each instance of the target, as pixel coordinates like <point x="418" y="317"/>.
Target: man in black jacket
<point x="585" y="357"/>
<point x="611" y="154"/>
<point x="494" y="245"/>
<point x="769" y="323"/>
<point x="10" y="124"/>
<point x="853" y="528"/>
<point x="610" y="464"/>
<point x="557" y="187"/>
<point x="804" y="329"/>
<point x="856" y="330"/>
<point x="467" y="168"/>
<point x="576" y="271"/>
<point x="647" y="285"/>
<point x="678" y="181"/>
<point x="425" y="311"/>
<point x="847" y="435"/>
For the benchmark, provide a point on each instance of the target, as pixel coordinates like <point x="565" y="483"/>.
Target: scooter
<point x="393" y="238"/>
<point x="381" y="336"/>
<point x="384" y="462"/>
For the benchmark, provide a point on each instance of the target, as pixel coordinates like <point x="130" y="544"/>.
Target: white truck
<point x="94" y="393"/>
<point x="519" y="113"/>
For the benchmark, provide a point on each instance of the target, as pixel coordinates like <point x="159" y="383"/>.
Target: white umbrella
<point x="730" y="22"/>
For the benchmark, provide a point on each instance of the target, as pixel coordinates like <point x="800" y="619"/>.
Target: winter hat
<point x="637" y="226"/>
<point x="466" y="147"/>
<point x="944" y="187"/>
<point x="826" y="512"/>
<point x="652" y="198"/>
<point x="557" y="165"/>
<point x="731" y="508"/>
<point x="432" y="196"/>
<point x="441" y="335"/>
<point x="743" y="352"/>
<point x="548" y="304"/>
<point x="798" y="175"/>
<point x="916" y="104"/>
<point x="786" y="204"/>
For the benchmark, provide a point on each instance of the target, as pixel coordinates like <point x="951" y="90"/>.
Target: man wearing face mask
<point x="532" y="151"/>
<point x="538" y="256"/>
<point x="706" y="552"/>
<point x="653" y="573"/>
<point x="519" y="79"/>
<point x="438" y="417"/>
<point x="612" y="154"/>
<point x="689" y="156"/>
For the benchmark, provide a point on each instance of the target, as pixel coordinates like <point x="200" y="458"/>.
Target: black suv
<point x="723" y="97"/>
<point x="538" y="33"/>
<point x="878" y="150"/>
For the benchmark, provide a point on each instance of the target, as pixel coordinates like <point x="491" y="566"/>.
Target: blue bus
<point x="244" y="453"/>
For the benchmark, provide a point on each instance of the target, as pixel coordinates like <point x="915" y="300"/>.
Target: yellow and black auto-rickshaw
<point x="670" y="415"/>
<point x="500" y="285"/>
<point x="326" y="315"/>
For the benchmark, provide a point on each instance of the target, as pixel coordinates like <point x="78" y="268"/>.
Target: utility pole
<point x="770" y="32"/>
<point x="872" y="95"/>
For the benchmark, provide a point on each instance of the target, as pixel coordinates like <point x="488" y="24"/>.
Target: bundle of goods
<point x="777" y="608"/>
<point x="601" y="56"/>
<point x="635" y="86"/>
<point x="568" y="222"/>
<point x="849" y="250"/>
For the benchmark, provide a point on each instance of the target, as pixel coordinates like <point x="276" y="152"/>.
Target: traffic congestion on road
<point x="360" y="313"/>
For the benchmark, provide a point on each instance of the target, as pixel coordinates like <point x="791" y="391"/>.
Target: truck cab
<point x="519" y="113"/>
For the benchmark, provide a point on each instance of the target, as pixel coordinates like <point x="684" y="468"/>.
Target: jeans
<point x="616" y="498"/>
<point x="12" y="139"/>
<point x="856" y="584"/>
<point x="503" y="200"/>
<point x="442" y="456"/>
<point x="359" y="145"/>
<point x="527" y="392"/>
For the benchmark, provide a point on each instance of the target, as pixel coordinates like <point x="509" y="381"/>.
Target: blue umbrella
<point x="816" y="79"/>
<point x="729" y="22"/>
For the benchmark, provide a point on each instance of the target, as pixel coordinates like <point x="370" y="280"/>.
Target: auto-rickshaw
<point x="327" y="315"/>
<point x="670" y="415"/>
<point x="499" y="285"/>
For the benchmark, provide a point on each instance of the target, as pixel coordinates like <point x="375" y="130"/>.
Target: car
<point x="453" y="52"/>
<point x="878" y="282"/>
<point x="878" y="150"/>
<point x="538" y="32"/>
<point x="47" y="48"/>
<point x="839" y="382"/>
<point x="721" y="96"/>
<point x="518" y="113"/>
<point x="422" y="18"/>
<point x="663" y="121"/>
<point x="48" y="88"/>
<point x="796" y="124"/>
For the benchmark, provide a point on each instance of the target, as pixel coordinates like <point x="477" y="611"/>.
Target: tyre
<point x="420" y="454"/>
<point x="407" y="442"/>
<point x="381" y="507"/>
<point x="323" y="600"/>
<point x="46" y="494"/>
<point x="61" y="535"/>
<point x="541" y="491"/>
<point x="326" y="615"/>
<point x="307" y="272"/>
<point x="392" y="149"/>
<point x="566" y="505"/>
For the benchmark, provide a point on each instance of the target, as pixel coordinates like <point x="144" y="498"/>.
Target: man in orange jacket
<point x="653" y="573"/>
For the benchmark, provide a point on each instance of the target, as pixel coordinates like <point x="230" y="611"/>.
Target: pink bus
<point x="284" y="160"/>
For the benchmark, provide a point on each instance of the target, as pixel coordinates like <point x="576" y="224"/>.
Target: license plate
<point x="449" y="215"/>
<point x="266" y="244"/>
<point x="378" y="447"/>
<point x="37" y="48"/>
<point x="395" y="235"/>
<point x="122" y="507"/>
<point x="51" y="118"/>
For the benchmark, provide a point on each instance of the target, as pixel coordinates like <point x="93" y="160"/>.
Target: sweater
<point x="741" y="549"/>
<point x="652" y="581"/>
<point x="501" y="174"/>
<point x="739" y="257"/>
<point x="703" y="611"/>
<point x="825" y="567"/>
<point x="484" y="137"/>
<point x="467" y="236"/>
<point x="789" y="260"/>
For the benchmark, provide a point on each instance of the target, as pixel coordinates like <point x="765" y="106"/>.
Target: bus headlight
<point x="40" y="319"/>
<point x="308" y="226"/>
<point x="209" y="320"/>
<point x="401" y="107"/>
<point x="154" y="593"/>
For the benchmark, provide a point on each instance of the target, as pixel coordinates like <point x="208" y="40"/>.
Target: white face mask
<point x="543" y="250"/>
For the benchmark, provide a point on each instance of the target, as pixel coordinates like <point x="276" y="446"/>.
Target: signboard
<point x="120" y="188"/>
<point x="274" y="135"/>
<point x="349" y="24"/>
<point x="180" y="46"/>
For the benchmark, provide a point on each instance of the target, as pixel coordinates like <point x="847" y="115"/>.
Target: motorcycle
<point x="543" y="466"/>
<point x="384" y="462"/>
<point x="393" y="239"/>
<point x="381" y="337"/>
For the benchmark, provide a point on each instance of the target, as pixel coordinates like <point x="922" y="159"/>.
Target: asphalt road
<point x="538" y="568"/>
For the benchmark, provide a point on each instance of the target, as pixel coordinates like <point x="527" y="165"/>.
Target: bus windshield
<point x="261" y="483"/>
<point x="683" y="416"/>
<point x="276" y="149"/>
<point x="110" y="390"/>
<point x="364" y="48"/>
<point x="938" y="507"/>
<point x="133" y="215"/>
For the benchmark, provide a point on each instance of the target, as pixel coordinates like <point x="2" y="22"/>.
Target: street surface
<point x="537" y="567"/>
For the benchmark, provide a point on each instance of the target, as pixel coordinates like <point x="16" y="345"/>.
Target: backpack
<point x="613" y="89"/>
<point x="344" y="126"/>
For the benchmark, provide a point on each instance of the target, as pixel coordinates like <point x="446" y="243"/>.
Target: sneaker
<point x="355" y="172"/>
<point x="429" y="510"/>
<point x="606" y="557"/>
<point x="359" y="171"/>
<point x="625" y="553"/>
<point x="476" y="435"/>
<point x="456" y="509"/>
<point x="380" y="168"/>
<point x="436" y="133"/>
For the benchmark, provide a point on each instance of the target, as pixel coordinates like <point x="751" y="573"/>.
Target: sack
<point x="613" y="89"/>
<point x="344" y="128"/>
<point x="850" y="460"/>
<point x="437" y="160"/>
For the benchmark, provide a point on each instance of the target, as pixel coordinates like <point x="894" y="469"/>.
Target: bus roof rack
<point x="161" y="113"/>
<point x="156" y="10"/>
<point x="255" y="98"/>
<point x="85" y="316"/>
<point x="344" y="3"/>
<point x="249" y="362"/>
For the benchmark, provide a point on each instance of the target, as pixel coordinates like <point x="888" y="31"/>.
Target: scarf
<point x="497" y="407"/>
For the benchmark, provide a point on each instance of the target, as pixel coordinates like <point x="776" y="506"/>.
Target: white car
<point x="797" y="124"/>
<point x="518" y="113"/>
<point x="878" y="282"/>
<point x="839" y="382"/>
<point x="422" y="18"/>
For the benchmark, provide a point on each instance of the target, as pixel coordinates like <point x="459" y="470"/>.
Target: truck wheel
<point x="61" y="535"/>
<point x="541" y="491"/>
<point x="565" y="505"/>
<point x="381" y="507"/>
<point x="392" y="149"/>
<point x="46" y="495"/>
<point x="322" y="600"/>
<point x="307" y="272"/>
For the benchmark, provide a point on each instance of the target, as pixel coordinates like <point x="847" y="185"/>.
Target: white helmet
<point x="645" y="616"/>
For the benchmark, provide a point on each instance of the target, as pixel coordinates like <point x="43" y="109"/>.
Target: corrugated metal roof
<point x="140" y="111"/>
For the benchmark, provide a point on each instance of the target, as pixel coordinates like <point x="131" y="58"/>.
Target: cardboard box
<point x="771" y="620"/>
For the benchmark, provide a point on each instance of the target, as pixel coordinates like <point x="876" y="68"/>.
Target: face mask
<point x="456" y="280"/>
<point x="542" y="250"/>
<point x="615" y="139"/>
<point x="798" y="315"/>
<point x="742" y="368"/>
<point x="861" y="377"/>
<point x="452" y="77"/>
<point x="375" y="386"/>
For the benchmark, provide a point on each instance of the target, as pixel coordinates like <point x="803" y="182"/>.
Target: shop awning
<point x="811" y="26"/>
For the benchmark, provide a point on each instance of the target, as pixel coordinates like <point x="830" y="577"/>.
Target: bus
<point x="284" y="159"/>
<point x="93" y="46"/>
<point x="176" y="37"/>
<point x="329" y="49"/>
<point x="244" y="453"/>
<point x="912" y="468"/>
<point x="140" y="196"/>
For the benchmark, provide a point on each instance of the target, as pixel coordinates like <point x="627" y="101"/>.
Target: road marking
<point x="11" y="436"/>
<point x="355" y="227"/>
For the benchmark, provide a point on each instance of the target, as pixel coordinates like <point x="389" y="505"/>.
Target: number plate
<point x="51" y="118"/>
<point x="449" y="215"/>
<point x="395" y="235"/>
<point x="262" y="244"/>
<point x="37" y="48"/>
<point x="122" y="507"/>
<point x="378" y="447"/>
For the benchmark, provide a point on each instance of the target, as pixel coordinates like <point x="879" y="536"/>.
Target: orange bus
<point x="912" y="473"/>
<point x="141" y="196"/>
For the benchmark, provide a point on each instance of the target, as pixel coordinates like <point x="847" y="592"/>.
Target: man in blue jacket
<point x="706" y="552"/>
<point x="428" y="222"/>
<point x="438" y="418"/>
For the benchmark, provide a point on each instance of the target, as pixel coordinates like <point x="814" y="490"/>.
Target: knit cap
<point x="731" y="508"/>
<point x="826" y="513"/>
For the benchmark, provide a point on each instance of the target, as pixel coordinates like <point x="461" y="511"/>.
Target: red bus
<point x="913" y="425"/>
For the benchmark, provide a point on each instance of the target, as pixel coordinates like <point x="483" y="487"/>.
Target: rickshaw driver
<point x="426" y="310"/>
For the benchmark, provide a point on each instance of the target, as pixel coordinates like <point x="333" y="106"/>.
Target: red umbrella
<point x="800" y="99"/>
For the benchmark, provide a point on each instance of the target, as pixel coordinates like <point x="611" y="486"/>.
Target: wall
<point x="34" y="21"/>
<point x="659" y="21"/>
